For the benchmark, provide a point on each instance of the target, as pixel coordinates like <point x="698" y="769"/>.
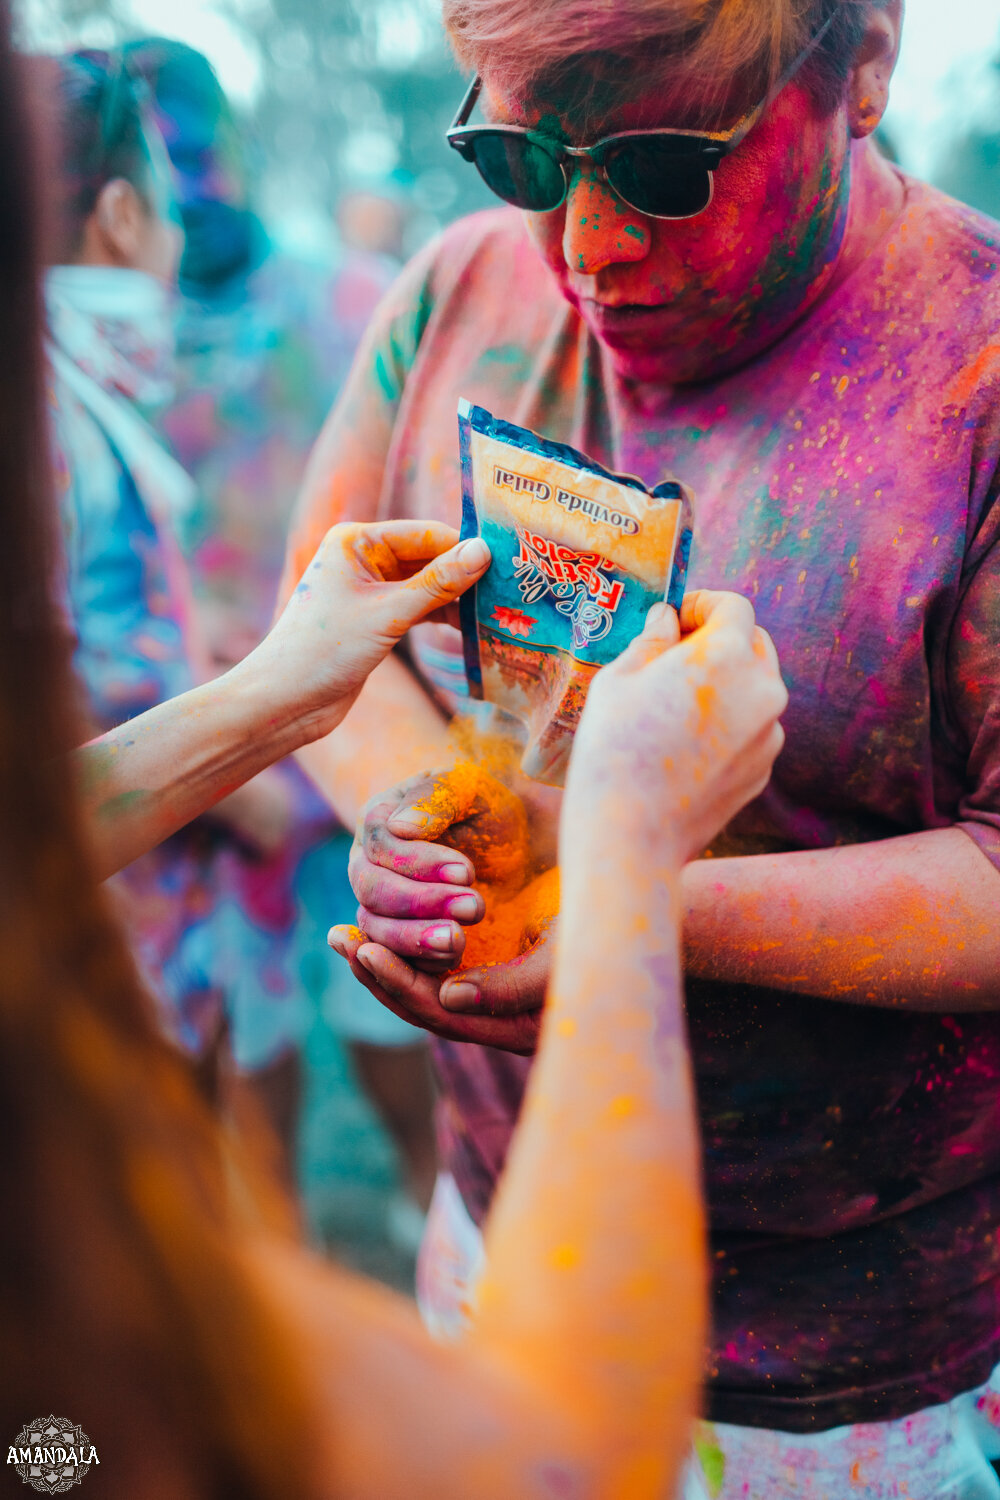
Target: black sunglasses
<point x="662" y="174"/>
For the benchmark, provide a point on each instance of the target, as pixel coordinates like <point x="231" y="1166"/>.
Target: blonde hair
<point x="717" y="41"/>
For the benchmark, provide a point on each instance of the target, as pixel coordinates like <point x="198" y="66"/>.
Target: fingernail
<point x="464" y="908"/>
<point x="440" y="938"/>
<point x="473" y="554"/>
<point x="459" y="996"/>
<point x="365" y="964"/>
<point x="456" y="874"/>
<point x="342" y="935"/>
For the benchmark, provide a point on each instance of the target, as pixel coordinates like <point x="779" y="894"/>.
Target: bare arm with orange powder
<point x="910" y="920"/>
<point x="579" y="1376"/>
<point x="907" y="921"/>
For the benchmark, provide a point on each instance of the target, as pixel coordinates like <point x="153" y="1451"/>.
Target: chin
<point x="664" y="364"/>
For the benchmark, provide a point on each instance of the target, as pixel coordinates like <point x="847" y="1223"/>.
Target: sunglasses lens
<point x="518" y="171"/>
<point x="663" y="178"/>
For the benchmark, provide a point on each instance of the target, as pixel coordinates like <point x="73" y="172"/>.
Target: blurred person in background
<point x="372" y="219"/>
<point x="264" y="341"/>
<point x="118" y="241"/>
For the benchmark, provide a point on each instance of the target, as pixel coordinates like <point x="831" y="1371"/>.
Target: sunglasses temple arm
<point x="748" y="122"/>
<point x="468" y="104"/>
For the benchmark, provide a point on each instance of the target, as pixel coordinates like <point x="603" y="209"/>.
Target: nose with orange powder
<point x="600" y="230"/>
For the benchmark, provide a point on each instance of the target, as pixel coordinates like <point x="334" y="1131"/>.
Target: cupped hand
<point x="365" y="587"/>
<point x="681" y="731"/>
<point x="505" y="1011"/>
<point x="418" y="849"/>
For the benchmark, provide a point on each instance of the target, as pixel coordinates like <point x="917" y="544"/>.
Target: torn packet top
<point x="579" y="556"/>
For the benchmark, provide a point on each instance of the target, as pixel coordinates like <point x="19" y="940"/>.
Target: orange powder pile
<point x="491" y="827"/>
<point x="512" y="922"/>
<point x="488" y="820"/>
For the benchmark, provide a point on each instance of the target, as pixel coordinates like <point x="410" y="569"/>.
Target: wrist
<point x="610" y="820"/>
<point x="257" y="691"/>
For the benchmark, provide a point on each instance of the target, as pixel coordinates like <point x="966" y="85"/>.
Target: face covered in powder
<point x="683" y="300"/>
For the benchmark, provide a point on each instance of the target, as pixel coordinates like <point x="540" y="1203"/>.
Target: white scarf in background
<point x="111" y="339"/>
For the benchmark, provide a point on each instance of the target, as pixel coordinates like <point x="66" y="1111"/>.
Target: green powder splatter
<point x="121" y="803"/>
<point x="93" y="764"/>
<point x="713" y="1462"/>
<point x="635" y="231"/>
<point x="388" y="385"/>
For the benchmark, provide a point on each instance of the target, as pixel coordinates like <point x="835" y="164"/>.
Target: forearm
<point x="393" y="730"/>
<point x="143" y="781"/>
<point x="904" y="921"/>
<point x="595" y="1288"/>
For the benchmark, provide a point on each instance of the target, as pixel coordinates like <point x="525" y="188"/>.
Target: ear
<point x="118" y="222"/>
<point x="868" y="83"/>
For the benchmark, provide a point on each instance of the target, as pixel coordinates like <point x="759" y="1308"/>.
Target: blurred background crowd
<point x="303" y="161"/>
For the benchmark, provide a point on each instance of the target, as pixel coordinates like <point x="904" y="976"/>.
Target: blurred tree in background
<point x="337" y="94"/>
<point x="970" y="166"/>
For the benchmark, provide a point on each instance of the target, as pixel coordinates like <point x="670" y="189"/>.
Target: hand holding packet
<point x="579" y="556"/>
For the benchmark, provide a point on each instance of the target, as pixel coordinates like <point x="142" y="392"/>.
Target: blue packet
<point x="579" y="556"/>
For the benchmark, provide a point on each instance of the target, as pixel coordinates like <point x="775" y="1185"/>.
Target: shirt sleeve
<point x="974" y="688"/>
<point x="343" y="481"/>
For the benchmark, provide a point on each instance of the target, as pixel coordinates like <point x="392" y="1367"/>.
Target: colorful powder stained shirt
<point x="125" y="595"/>
<point x="847" y="481"/>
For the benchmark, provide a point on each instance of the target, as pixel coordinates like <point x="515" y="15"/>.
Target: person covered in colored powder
<point x="765" y="307"/>
<point x="123" y="499"/>
<point x="265" y="339"/>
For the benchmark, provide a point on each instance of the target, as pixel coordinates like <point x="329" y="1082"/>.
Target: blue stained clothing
<point x="125" y="597"/>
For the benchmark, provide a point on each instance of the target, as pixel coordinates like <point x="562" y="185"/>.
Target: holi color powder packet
<point x="579" y="556"/>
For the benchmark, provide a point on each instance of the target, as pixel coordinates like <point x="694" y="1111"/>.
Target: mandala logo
<point x="52" y="1455"/>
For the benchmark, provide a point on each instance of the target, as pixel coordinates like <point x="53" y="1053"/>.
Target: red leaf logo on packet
<point x="514" y="620"/>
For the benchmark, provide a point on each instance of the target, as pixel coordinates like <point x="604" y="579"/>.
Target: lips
<point x="628" y="321"/>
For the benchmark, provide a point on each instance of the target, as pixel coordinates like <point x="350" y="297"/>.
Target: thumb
<point x="440" y="583"/>
<point x="503" y="989"/>
<point x="661" y="630"/>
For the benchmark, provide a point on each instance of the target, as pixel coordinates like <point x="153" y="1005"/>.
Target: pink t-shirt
<point x="846" y="480"/>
